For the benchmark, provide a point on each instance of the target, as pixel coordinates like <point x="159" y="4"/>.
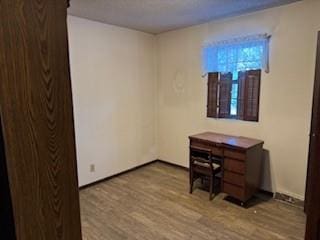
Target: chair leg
<point x="191" y="181"/>
<point x="211" y="187"/>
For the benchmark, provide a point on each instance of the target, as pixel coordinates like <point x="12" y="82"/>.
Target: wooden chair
<point x="204" y="164"/>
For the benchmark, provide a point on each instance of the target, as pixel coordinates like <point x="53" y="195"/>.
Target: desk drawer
<point x="234" y="191"/>
<point x="235" y="154"/>
<point x="215" y="150"/>
<point x="234" y="178"/>
<point x="234" y="166"/>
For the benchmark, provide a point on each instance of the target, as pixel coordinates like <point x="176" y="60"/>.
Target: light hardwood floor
<point x="153" y="203"/>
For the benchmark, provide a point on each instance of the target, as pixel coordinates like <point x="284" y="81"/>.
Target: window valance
<point x="235" y="55"/>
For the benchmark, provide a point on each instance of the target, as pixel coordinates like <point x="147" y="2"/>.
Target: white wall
<point x="113" y="74"/>
<point x="286" y="94"/>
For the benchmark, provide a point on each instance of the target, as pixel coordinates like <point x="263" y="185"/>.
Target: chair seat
<point x="203" y="164"/>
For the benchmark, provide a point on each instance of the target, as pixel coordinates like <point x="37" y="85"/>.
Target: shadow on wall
<point x="266" y="180"/>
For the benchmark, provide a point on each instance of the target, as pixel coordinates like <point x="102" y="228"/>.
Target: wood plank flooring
<point x="153" y="203"/>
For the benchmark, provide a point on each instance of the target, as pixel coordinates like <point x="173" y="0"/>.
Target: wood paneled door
<point x="37" y="120"/>
<point x="7" y="228"/>
<point x="313" y="179"/>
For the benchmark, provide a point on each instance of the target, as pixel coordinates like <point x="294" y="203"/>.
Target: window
<point x="234" y="70"/>
<point x="234" y="95"/>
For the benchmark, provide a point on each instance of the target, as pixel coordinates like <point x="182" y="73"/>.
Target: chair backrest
<point x="201" y="154"/>
<point x="204" y="155"/>
<point x="217" y="160"/>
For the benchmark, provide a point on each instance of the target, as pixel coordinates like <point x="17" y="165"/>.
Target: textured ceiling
<point x="157" y="16"/>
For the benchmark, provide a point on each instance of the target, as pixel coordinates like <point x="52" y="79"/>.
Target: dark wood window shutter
<point x="219" y="95"/>
<point x="212" y="95"/>
<point x="252" y="95"/>
<point x="241" y="94"/>
<point x="225" y="84"/>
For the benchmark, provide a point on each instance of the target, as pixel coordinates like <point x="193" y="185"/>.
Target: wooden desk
<point x="242" y="162"/>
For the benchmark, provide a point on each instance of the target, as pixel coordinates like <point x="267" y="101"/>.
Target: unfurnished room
<point x="160" y="119"/>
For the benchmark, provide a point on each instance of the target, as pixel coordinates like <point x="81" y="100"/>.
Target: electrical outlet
<point x="92" y="168"/>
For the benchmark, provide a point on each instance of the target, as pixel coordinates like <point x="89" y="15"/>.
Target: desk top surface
<point x="234" y="141"/>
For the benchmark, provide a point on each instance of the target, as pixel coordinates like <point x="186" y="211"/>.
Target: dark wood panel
<point x="253" y="170"/>
<point x="313" y="179"/>
<point x="7" y="228"/>
<point x="37" y="114"/>
<point x="235" y="154"/>
<point x="212" y="95"/>
<point x="234" y="165"/>
<point x="234" y="191"/>
<point x="224" y="96"/>
<point x="234" y="178"/>
<point x="202" y="144"/>
<point x="252" y="95"/>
